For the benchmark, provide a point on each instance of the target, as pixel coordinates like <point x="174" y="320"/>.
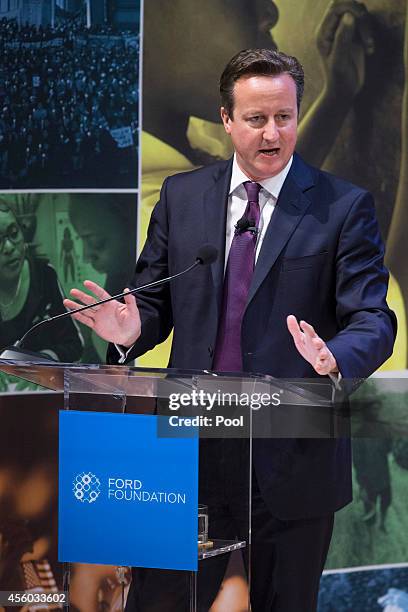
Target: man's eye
<point x="255" y="119"/>
<point x="283" y="117"/>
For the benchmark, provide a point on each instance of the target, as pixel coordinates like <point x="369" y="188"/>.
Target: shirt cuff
<point x="336" y="379"/>
<point x="123" y="352"/>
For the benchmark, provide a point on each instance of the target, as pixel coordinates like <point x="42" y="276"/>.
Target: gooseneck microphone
<point x="206" y="255"/>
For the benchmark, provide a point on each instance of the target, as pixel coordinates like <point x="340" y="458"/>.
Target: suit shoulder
<point x="199" y="176"/>
<point x="309" y="177"/>
<point x="339" y="185"/>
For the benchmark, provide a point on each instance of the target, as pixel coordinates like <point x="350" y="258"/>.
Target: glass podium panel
<point x="227" y="413"/>
<point x="183" y="404"/>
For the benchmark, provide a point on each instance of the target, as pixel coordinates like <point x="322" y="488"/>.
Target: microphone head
<point x="207" y="254"/>
<point x="242" y="225"/>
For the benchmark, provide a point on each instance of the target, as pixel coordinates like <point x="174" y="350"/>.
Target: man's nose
<point x="271" y="132"/>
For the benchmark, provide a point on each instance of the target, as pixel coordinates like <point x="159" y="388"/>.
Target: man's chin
<point x="270" y="165"/>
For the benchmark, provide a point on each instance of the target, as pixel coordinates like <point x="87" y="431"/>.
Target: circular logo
<point x="86" y="487"/>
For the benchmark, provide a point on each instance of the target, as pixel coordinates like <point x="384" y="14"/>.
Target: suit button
<point x="211" y="351"/>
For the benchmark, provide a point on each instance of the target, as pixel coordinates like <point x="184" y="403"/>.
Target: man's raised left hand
<point x="311" y="346"/>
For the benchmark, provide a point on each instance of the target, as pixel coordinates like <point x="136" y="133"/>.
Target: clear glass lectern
<point x="226" y="413"/>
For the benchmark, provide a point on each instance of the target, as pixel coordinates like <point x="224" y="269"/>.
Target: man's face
<point x="263" y="128"/>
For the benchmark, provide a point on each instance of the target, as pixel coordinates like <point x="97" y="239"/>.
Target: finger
<point x="130" y="302"/>
<point x="308" y="329"/>
<point x="318" y="343"/>
<point x="83" y="297"/>
<point x="348" y="6"/>
<point x="325" y="362"/>
<point x="297" y="334"/>
<point x="322" y="369"/>
<point x="70" y="304"/>
<point x="365" y="30"/>
<point x="96" y="289"/>
<point x="351" y="30"/>
<point x="323" y="354"/>
<point x="345" y="35"/>
<point x="331" y="20"/>
<point x="293" y="327"/>
<point x="82" y="317"/>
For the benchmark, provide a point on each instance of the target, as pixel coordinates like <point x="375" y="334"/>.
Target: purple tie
<point x="238" y="276"/>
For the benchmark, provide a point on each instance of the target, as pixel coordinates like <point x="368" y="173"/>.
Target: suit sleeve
<point x="367" y="326"/>
<point x="154" y="304"/>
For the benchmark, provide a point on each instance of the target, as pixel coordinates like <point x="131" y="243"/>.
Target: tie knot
<point x="252" y="190"/>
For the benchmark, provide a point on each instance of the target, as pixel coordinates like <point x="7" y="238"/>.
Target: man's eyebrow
<point x="254" y="111"/>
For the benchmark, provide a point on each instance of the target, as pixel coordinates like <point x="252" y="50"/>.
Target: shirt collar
<point x="272" y="185"/>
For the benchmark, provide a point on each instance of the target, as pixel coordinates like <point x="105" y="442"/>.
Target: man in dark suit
<point x="315" y="256"/>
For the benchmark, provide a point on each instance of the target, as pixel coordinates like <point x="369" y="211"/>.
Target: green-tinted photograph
<point x="50" y="243"/>
<point x="371" y="530"/>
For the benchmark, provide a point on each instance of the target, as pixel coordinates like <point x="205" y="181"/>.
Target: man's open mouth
<point x="271" y="152"/>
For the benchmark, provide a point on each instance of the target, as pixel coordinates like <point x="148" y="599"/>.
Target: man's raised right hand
<point x="114" y="321"/>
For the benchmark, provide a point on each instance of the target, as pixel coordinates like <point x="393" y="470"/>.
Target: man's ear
<point x="226" y="119"/>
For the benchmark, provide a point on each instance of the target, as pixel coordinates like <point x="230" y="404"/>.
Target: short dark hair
<point x="262" y="62"/>
<point x="6" y="208"/>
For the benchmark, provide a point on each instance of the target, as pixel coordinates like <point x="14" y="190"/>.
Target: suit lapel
<point x="291" y="206"/>
<point x="215" y="211"/>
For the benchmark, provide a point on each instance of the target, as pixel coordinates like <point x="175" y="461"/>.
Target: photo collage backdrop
<point x="69" y="142"/>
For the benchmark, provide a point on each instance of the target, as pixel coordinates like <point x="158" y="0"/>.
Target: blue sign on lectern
<point x="126" y="496"/>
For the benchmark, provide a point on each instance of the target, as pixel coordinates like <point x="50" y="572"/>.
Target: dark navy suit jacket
<point x="321" y="260"/>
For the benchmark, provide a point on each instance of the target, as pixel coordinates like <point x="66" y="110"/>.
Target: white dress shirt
<point x="238" y="199"/>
